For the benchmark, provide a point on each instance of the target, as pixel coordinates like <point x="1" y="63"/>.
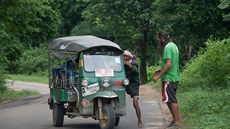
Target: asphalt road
<point x="33" y="112"/>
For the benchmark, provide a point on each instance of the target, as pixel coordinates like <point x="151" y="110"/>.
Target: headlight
<point x="106" y="82"/>
<point x="125" y="82"/>
<point x="84" y="83"/>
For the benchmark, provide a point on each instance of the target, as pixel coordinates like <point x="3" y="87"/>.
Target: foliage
<point x="34" y="61"/>
<point x="204" y="88"/>
<point x="33" y="22"/>
<point x="71" y="14"/>
<point x="210" y="69"/>
<point x="150" y="72"/>
<point x="2" y="80"/>
<point x="190" y="23"/>
<point x="212" y="107"/>
<point x="24" y="24"/>
<point x="2" y="76"/>
<point x="224" y="5"/>
<point x="125" y="22"/>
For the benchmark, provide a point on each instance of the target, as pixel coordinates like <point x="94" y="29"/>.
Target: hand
<point x="128" y="64"/>
<point x="156" y="78"/>
<point x="157" y="72"/>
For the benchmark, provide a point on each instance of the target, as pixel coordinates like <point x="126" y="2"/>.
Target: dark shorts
<point x="132" y="90"/>
<point x="169" y="92"/>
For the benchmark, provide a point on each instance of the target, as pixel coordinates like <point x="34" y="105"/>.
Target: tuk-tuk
<point x="89" y="81"/>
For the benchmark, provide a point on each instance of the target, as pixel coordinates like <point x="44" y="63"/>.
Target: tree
<point x="126" y="20"/>
<point x="224" y="5"/>
<point x="191" y="23"/>
<point x="24" y="24"/>
<point x="71" y="14"/>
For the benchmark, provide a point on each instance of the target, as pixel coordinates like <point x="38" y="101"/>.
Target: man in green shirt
<point x="169" y="75"/>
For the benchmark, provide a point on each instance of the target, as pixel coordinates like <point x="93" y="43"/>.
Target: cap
<point x="127" y="53"/>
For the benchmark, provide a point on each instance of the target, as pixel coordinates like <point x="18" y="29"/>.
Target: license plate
<point x="91" y="89"/>
<point x="104" y="72"/>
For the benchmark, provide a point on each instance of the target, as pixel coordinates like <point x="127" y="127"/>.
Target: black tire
<point x="117" y="121"/>
<point x="109" y="117"/>
<point x="58" y="115"/>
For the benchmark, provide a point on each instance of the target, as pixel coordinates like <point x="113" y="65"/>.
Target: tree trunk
<point x="188" y="50"/>
<point x="143" y="73"/>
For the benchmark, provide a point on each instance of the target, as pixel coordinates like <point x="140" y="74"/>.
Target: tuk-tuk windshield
<point x="92" y="62"/>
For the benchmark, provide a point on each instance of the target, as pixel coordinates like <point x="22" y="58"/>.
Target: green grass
<point x="202" y="108"/>
<point x="206" y="109"/>
<point x="27" y="78"/>
<point x="10" y="94"/>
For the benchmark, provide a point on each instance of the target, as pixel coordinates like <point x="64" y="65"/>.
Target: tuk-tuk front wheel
<point x="58" y="115"/>
<point x="108" y="115"/>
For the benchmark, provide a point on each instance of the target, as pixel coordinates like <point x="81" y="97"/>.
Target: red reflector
<point x="118" y="83"/>
<point x="85" y="102"/>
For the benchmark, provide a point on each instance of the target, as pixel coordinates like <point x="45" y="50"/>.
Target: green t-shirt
<point x="171" y="52"/>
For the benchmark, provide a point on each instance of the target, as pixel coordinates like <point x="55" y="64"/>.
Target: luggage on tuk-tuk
<point x="88" y="80"/>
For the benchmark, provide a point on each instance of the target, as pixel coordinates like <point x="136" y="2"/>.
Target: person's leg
<point x="171" y="111"/>
<point x="138" y="111"/>
<point x="169" y="89"/>
<point x="170" y="108"/>
<point x="175" y="113"/>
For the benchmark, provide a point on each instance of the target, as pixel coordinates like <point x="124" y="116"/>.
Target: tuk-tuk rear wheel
<point x="58" y="115"/>
<point x="117" y="121"/>
<point x="108" y="120"/>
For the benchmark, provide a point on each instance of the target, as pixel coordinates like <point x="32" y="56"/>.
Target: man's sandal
<point x="140" y="125"/>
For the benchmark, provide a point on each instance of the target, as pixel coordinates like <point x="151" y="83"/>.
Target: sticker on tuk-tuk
<point x="91" y="89"/>
<point x="104" y="72"/>
<point x="62" y="47"/>
<point x="117" y="60"/>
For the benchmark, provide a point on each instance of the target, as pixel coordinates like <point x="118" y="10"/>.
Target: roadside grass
<point x="205" y="109"/>
<point x="28" y="78"/>
<point x="10" y="94"/>
<point x="201" y="108"/>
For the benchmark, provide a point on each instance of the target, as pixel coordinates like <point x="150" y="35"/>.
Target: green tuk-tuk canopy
<point x="68" y="47"/>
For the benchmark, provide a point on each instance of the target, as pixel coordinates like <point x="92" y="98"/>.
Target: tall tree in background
<point x="71" y="14"/>
<point x="191" y="23"/>
<point x="126" y="20"/>
<point x="24" y="24"/>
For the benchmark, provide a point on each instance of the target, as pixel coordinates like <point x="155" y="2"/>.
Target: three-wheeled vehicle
<point x="89" y="80"/>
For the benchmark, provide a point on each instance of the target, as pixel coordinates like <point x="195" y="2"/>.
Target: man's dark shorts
<point x="132" y="90"/>
<point x="169" y="92"/>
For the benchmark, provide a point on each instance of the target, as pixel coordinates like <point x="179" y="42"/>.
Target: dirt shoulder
<point x="156" y="93"/>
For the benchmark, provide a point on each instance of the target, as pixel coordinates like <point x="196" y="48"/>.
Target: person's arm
<point x="163" y="71"/>
<point x="132" y="66"/>
<point x="128" y="64"/>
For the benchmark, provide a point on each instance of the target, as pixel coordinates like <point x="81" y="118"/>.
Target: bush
<point x="205" y="88"/>
<point x="210" y="69"/>
<point x="2" y="76"/>
<point x="34" y="61"/>
<point x="2" y="81"/>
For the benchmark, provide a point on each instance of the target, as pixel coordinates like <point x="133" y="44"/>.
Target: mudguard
<point x="103" y="94"/>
